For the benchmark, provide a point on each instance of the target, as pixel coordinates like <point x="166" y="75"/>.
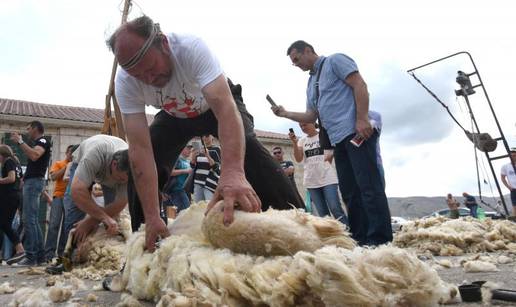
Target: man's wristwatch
<point x="20" y="142"/>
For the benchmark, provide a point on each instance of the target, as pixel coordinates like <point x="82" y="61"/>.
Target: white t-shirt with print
<point x="194" y="67"/>
<point x="508" y="171"/>
<point x="318" y="173"/>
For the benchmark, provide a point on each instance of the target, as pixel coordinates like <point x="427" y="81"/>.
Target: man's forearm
<point x="29" y="152"/>
<point x="116" y="207"/>
<point x="85" y="203"/>
<point x="361" y="101"/>
<point x="505" y="183"/>
<point x="57" y="174"/>
<point x="231" y="133"/>
<point x="145" y="179"/>
<point x="302" y="117"/>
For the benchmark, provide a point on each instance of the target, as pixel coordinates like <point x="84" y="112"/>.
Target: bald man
<point x="179" y="75"/>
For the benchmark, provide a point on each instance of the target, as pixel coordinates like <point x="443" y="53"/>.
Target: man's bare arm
<point x="309" y="116"/>
<point x="54" y="175"/>
<point x="82" y="198"/>
<point x="231" y="131"/>
<point x="143" y="167"/>
<point x="33" y="153"/>
<point x="233" y="186"/>
<point x="505" y="182"/>
<point x="361" y="95"/>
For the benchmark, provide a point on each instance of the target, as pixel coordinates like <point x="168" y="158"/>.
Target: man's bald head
<point x="130" y="37"/>
<point x="142" y="50"/>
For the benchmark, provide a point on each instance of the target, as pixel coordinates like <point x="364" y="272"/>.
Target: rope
<point x="438" y="100"/>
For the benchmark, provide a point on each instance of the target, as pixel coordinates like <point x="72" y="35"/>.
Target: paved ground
<point x="456" y="275"/>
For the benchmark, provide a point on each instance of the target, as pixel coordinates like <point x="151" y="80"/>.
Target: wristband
<point x="20" y="142"/>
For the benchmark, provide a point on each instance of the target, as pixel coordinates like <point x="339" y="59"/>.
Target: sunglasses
<point x="276" y="153"/>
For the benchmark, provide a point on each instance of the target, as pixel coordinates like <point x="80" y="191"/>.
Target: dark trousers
<point x="362" y="190"/>
<point x="169" y="135"/>
<point x="9" y="205"/>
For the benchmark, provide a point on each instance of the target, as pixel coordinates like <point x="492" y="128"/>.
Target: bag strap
<point x="317" y="92"/>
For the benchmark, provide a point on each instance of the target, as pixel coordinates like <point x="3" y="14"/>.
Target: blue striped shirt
<point x="336" y="106"/>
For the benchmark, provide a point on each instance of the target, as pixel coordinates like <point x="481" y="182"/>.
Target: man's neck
<point x="316" y="57"/>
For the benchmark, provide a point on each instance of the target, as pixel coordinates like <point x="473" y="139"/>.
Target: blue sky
<point x="54" y="52"/>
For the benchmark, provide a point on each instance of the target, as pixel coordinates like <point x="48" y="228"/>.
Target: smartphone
<point x="269" y="99"/>
<point x="357" y="140"/>
<point x="291" y="130"/>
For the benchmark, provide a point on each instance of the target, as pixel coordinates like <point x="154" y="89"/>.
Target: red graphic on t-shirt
<point x="187" y="106"/>
<point x="171" y="105"/>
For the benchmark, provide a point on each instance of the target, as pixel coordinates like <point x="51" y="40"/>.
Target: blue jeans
<point x="327" y="202"/>
<point x="362" y="190"/>
<point x="201" y="193"/>
<point x="32" y="189"/>
<point x="55" y="229"/>
<point x="7" y="245"/>
<point x="72" y="213"/>
<point x="178" y="199"/>
<point x="473" y="210"/>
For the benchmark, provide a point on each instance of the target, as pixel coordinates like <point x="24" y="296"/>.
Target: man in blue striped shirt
<point x="337" y="94"/>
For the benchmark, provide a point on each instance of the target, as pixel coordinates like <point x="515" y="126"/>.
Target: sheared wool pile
<point x="454" y="237"/>
<point x="187" y="269"/>
<point x="101" y="254"/>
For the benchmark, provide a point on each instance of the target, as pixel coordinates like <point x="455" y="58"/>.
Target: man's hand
<point x="236" y="192"/>
<point x="364" y="128"/>
<point x="279" y="111"/>
<point x="154" y="231"/>
<point x="111" y="225"/>
<point x="83" y="228"/>
<point x="16" y="137"/>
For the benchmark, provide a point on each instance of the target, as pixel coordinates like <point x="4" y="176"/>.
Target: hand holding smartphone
<point x="357" y="140"/>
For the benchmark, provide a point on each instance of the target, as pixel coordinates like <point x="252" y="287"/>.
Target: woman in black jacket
<point x="10" y="199"/>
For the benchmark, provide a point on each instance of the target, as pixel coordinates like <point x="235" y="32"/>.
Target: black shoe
<point x="57" y="269"/>
<point x="16" y="258"/>
<point x="106" y="283"/>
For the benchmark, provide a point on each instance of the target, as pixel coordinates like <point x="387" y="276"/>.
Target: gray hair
<point x="142" y="26"/>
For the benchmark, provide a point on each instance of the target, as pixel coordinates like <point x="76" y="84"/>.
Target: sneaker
<point x="26" y="262"/>
<point x="16" y="258"/>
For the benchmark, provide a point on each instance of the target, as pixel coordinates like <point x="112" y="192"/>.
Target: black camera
<point x="465" y="84"/>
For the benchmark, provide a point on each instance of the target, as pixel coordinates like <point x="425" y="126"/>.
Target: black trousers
<point x="169" y="135"/>
<point x="9" y="204"/>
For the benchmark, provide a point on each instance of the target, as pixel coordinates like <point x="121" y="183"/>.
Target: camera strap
<point x="324" y="139"/>
<point x="317" y="92"/>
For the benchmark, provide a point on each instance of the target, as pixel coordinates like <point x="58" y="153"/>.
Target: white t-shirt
<point x="508" y="171"/>
<point x="318" y="173"/>
<point x="194" y="67"/>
